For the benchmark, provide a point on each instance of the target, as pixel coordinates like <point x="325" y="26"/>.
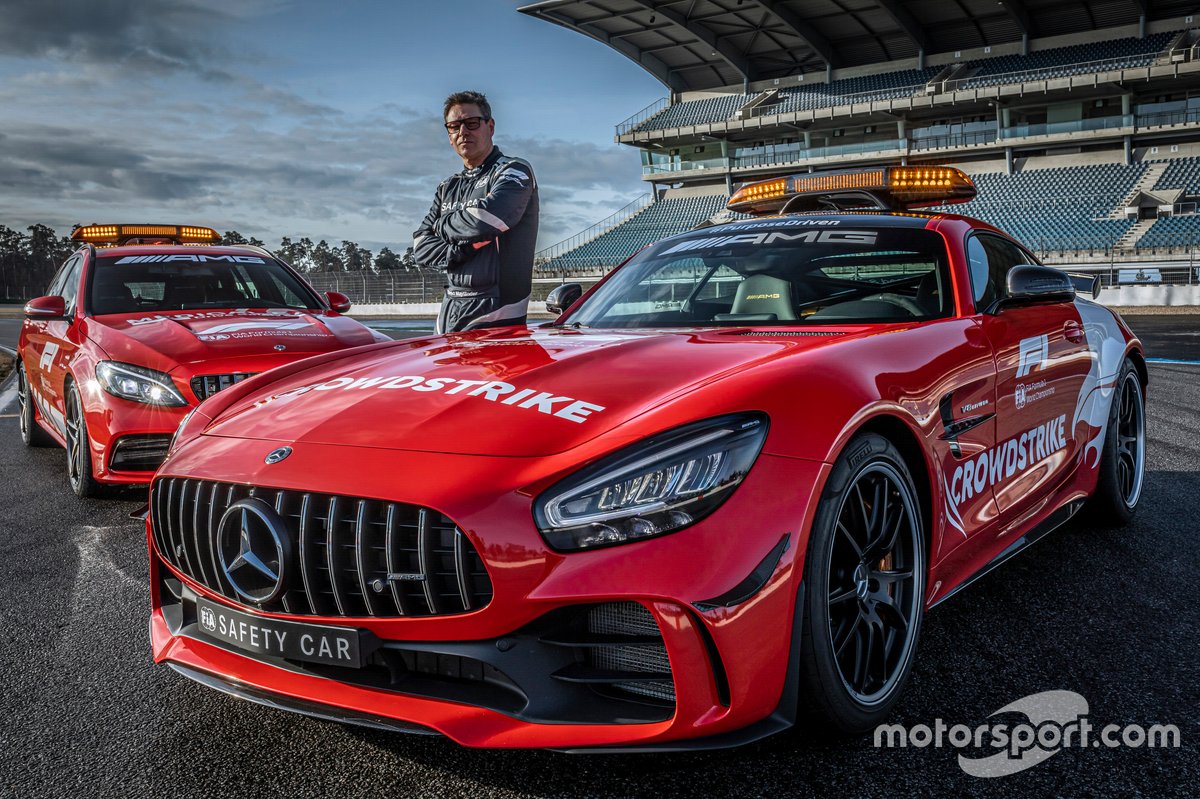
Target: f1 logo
<point x="1034" y="353"/>
<point x="47" y="359"/>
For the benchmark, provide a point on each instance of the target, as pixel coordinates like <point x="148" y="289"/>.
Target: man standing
<point x="482" y="226"/>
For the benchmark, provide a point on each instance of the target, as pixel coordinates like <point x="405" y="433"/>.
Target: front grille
<point x="142" y="453"/>
<point x="643" y="661"/>
<point x="204" y="386"/>
<point x="346" y="550"/>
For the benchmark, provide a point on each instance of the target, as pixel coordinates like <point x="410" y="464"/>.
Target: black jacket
<point x="496" y="202"/>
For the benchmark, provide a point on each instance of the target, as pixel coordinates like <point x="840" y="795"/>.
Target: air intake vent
<point x="350" y="556"/>
<point x="641" y="668"/>
<point x="139" y="453"/>
<point x="204" y="386"/>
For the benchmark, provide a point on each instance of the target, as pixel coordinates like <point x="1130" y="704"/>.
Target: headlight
<point x="657" y="486"/>
<point x="182" y="424"/>
<point x="139" y="384"/>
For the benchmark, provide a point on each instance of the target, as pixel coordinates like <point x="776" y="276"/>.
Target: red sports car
<point x="130" y="337"/>
<point x="721" y="489"/>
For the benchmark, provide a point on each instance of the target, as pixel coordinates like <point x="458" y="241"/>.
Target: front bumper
<point x="729" y="665"/>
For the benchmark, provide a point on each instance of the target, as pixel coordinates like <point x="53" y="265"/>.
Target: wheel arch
<point x="905" y="439"/>
<point x="1139" y="363"/>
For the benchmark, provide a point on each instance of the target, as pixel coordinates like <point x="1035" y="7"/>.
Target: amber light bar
<point x="116" y="234"/>
<point x="895" y="187"/>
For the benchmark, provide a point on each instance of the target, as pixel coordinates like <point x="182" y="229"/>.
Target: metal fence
<point x="1115" y="269"/>
<point x="390" y="288"/>
<point x="1143" y="273"/>
<point x="405" y="287"/>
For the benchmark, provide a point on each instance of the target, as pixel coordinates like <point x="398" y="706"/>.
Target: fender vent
<point x="205" y="386"/>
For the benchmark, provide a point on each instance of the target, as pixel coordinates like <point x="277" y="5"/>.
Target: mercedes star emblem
<point x="277" y="455"/>
<point x="254" y="550"/>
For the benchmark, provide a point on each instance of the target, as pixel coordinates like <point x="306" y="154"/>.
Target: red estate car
<point x="130" y="337"/>
<point x="724" y="486"/>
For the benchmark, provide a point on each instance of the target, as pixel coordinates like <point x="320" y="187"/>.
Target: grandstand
<point x="1079" y="120"/>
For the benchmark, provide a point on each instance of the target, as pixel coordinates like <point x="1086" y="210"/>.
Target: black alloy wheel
<point x="865" y="582"/>
<point x="79" y="457"/>
<point x="1122" y="470"/>
<point x="31" y="432"/>
<point x="1131" y="440"/>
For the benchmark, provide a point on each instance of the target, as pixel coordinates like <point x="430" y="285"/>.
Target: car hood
<point x="510" y="392"/>
<point x="166" y="339"/>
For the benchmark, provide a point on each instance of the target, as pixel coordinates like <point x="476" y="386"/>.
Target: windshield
<point x="778" y="273"/>
<point x="133" y="284"/>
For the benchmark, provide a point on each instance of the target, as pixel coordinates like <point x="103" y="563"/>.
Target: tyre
<point x="79" y="452"/>
<point x="32" y="433"/>
<point x="864" y="583"/>
<point x="1123" y="454"/>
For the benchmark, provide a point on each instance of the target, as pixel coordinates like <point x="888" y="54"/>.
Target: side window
<point x="55" y="287"/>
<point x="70" y="287"/>
<point x="991" y="258"/>
<point x="67" y="283"/>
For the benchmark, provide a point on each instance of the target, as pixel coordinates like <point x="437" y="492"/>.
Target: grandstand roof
<point x="706" y="44"/>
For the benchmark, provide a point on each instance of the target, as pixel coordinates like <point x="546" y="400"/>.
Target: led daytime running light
<point x="138" y="384"/>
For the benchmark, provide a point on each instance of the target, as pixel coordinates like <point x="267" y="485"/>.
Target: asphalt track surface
<point x="1111" y="615"/>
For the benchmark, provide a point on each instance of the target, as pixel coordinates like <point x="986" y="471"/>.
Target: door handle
<point x="1074" y="332"/>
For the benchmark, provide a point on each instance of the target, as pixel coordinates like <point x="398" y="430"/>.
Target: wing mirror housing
<point x="46" y="308"/>
<point x="1086" y="284"/>
<point x="338" y="302"/>
<point x="563" y="297"/>
<point x="1030" y="285"/>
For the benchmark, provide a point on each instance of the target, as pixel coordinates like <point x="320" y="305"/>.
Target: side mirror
<point x="563" y="297"/>
<point x="1029" y="285"/>
<point x="46" y="308"/>
<point x="339" y="302"/>
<point x="1086" y="284"/>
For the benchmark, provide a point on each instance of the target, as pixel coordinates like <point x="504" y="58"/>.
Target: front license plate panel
<point x="293" y="640"/>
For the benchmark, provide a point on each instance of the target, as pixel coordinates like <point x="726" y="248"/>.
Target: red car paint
<point x="63" y="351"/>
<point x="424" y="422"/>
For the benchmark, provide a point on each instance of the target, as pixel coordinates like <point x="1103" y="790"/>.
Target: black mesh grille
<point x="139" y="453"/>
<point x="650" y="659"/>
<point x="345" y="548"/>
<point x="204" y="386"/>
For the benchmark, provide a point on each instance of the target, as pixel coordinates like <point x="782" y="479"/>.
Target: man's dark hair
<point x="467" y="98"/>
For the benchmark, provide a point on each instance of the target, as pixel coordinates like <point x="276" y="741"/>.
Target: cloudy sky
<point x="306" y="118"/>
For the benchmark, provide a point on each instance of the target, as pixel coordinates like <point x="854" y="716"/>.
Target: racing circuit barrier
<point x="1116" y="271"/>
<point x="402" y="288"/>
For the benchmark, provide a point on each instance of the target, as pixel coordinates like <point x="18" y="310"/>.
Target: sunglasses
<point x="470" y="123"/>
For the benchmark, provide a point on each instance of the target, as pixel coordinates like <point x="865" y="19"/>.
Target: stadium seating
<point x="696" y="112"/>
<point x="657" y="220"/>
<point x="1059" y="208"/>
<point x="1074" y="60"/>
<point x="1057" y="62"/>
<point x="1064" y="208"/>
<point x="1181" y="173"/>
<point x="855" y="90"/>
<point x="1175" y="231"/>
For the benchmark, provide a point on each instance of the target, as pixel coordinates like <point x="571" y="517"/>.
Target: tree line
<point x="32" y="257"/>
